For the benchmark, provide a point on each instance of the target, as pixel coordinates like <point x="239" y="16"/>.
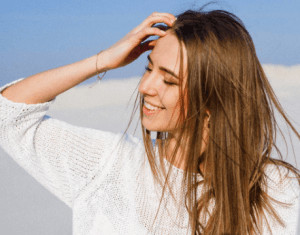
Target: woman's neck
<point x="179" y="160"/>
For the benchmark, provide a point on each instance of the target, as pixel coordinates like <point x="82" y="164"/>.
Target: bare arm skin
<point x="45" y="86"/>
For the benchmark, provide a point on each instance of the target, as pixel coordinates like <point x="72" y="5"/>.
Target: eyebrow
<point x="163" y="68"/>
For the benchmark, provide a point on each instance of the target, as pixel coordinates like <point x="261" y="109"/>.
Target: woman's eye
<point x="169" y="83"/>
<point x="148" y="69"/>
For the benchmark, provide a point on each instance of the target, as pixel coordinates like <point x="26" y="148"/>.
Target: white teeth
<point x="151" y="107"/>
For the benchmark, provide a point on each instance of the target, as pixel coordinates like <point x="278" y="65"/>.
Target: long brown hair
<point x="226" y="78"/>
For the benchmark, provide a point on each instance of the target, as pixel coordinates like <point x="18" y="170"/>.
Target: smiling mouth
<point x="149" y="109"/>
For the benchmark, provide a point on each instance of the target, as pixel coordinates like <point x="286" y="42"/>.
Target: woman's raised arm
<point x="62" y="157"/>
<point x="45" y="86"/>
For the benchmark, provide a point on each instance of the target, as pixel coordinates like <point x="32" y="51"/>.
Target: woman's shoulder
<point x="282" y="188"/>
<point x="128" y="145"/>
<point x="283" y="182"/>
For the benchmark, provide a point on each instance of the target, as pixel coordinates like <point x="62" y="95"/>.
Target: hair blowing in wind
<point x="226" y="80"/>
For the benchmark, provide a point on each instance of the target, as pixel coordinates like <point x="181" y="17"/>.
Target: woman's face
<point x="160" y="85"/>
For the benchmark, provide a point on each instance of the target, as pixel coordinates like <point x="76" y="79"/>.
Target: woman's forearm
<point x="45" y="86"/>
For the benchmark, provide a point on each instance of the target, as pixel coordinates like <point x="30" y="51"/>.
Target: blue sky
<point x="39" y="35"/>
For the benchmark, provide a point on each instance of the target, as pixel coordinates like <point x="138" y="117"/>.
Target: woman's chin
<point x="150" y="125"/>
<point x="154" y="126"/>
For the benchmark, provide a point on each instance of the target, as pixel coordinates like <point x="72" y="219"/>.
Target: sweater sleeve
<point x="60" y="156"/>
<point x="283" y="187"/>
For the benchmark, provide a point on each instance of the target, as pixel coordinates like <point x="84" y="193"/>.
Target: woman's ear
<point x="207" y="119"/>
<point x="205" y="134"/>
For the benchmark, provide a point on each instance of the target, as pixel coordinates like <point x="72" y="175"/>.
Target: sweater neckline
<point x="175" y="169"/>
<point x="179" y="170"/>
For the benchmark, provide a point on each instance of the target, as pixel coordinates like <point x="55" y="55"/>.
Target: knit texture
<point x="107" y="180"/>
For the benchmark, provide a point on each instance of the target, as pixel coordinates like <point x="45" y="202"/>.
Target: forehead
<point x="166" y="53"/>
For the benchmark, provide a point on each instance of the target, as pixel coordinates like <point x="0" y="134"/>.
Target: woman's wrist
<point x="101" y="64"/>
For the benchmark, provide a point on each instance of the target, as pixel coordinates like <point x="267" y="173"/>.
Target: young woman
<point x="210" y="169"/>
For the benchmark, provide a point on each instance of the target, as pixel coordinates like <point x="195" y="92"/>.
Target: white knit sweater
<point x="106" y="179"/>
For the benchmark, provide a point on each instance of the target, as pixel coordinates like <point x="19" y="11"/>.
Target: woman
<point x="209" y="171"/>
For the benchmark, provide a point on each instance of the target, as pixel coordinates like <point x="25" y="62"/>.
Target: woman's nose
<point x="148" y="85"/>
